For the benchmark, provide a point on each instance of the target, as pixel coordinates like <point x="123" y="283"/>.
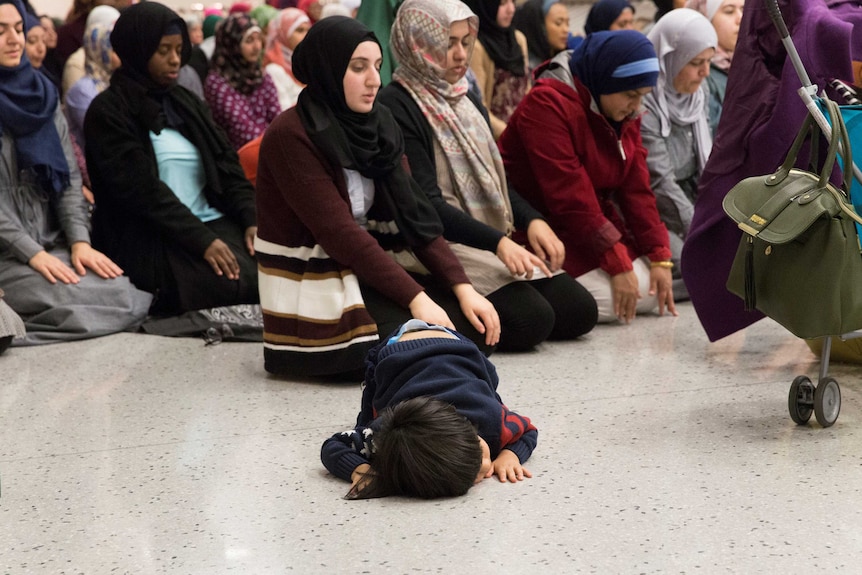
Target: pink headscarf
<point x="304" y="5"/>
<point x="710" y="8"/>
<point x="280" y="31"/>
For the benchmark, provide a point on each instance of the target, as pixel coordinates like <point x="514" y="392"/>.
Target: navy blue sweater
<point x="453" y="371"/>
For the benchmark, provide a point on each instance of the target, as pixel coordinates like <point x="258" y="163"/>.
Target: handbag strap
<point x="843" y="139"/>
<point x="790" y="158"/>
<point x="838" y="124"/>
<point x="839" y="139"/>
<point x="845" y="207"/>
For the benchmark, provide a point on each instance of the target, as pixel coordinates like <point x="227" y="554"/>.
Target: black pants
<point x="557" y="308"/>
<point x="530" y="312"/>
<point x="189" y="282"/>
<point x="389" y="315"/>
<point x="5" y="342"/>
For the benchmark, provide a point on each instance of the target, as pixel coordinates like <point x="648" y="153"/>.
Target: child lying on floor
<point x="431" y="423"/>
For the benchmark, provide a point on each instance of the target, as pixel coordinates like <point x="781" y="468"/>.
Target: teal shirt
<point x="181" y="169"/>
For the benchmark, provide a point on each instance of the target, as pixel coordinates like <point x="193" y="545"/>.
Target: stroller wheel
<point x="827" y="401"/>
<point x="800" y="401"/>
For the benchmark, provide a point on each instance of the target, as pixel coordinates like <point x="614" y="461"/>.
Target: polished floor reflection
<point x="659" y="452"/>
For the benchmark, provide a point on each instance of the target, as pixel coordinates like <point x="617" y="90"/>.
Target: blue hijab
<point x="611" y="62"/>
<point x="604" y="13"/>
<point x="28" y="101"/>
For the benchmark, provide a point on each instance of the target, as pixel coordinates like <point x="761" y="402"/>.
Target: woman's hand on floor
<point x="661" y="286"/>
<point x="479" y="311"/>
<point x="84" y="257"/>
<point x="222" y="260"/>
<point x="626" y="294"/>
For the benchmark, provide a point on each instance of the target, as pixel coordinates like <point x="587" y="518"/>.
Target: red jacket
<point x="564" y="158"/>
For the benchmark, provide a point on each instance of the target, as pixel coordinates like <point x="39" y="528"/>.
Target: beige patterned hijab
<point x="473" y="172"/>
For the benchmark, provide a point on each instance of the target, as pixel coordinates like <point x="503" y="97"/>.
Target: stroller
<point x="805" y="398"/>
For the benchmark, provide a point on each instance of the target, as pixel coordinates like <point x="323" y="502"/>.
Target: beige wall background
<point x="59" y="8"/>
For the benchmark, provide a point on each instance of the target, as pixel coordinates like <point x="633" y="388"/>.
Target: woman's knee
<point x="526" y="318"/>
<point x="574" y="306"/>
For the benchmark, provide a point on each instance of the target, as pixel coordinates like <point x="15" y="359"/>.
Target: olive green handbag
<point x="799" y="259"/>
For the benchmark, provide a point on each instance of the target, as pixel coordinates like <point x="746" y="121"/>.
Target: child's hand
<point x="507" y="467"/>
<point x="360" y="478"/>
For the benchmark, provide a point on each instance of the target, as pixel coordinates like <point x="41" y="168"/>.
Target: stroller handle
<point x="808" y="91"/>
<point x="777" y="18"/>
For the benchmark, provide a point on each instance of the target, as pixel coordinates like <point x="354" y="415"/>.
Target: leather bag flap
<point x="779" y="212"/>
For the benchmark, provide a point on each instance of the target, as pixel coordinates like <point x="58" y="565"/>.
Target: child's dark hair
<point x="423" y="448"/>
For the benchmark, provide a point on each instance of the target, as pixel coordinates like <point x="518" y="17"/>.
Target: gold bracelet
<point x="662" y="264"/>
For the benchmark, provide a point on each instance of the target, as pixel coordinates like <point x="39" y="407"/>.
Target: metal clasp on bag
<point x="748" y="229"/>
<point x="757" y="220"/>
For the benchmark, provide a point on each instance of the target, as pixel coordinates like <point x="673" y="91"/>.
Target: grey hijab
<point x="678" y="37"/>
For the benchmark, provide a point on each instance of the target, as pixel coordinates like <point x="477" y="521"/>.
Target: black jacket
<point x="138" y="219"/>
<point x="458" y="225"/>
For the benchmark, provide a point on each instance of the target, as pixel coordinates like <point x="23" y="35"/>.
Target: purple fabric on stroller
<point x="761" y="115"/>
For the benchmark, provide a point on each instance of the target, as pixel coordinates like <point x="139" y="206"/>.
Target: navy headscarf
<point x="611" y="62"/>
<point x="604" y="13"/>
<point x="28" y="101"/>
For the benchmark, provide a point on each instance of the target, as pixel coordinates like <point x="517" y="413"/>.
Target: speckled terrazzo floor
<point x="658" y="453"/>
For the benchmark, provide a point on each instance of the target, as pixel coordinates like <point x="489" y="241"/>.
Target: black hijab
<point x="135" y="38"/>
<point x="530" y="19"/>
<point x="500" y="43"/>
<point x="371" y="143"/>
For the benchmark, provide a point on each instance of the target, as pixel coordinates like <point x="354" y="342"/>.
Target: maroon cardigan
<point x="307" y="240"/>
<point x="302" y="200"/>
